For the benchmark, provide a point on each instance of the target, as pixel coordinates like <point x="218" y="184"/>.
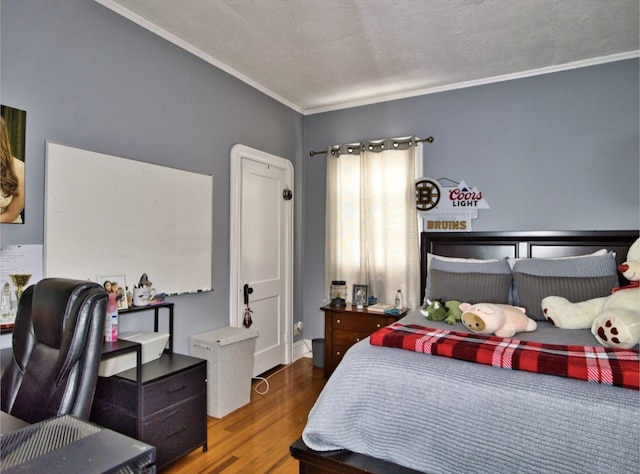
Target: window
<point x="371" y="219"/>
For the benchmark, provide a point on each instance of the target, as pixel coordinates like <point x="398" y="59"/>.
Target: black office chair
<point x="57" y="341"/>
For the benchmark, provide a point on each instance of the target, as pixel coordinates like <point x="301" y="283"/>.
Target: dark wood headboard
<point x="516" y="244"/>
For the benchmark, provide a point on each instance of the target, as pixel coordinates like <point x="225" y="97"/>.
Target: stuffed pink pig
<point x="503" y="320"/>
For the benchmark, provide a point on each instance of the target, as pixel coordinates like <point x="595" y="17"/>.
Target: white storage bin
<point x="153" y="344"/>
<point x="229" y="355"/>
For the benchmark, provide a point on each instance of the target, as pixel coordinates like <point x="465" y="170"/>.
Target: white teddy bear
<point x="615" y="319"/>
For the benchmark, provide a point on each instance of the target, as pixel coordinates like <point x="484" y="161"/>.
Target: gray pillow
<point x="463" y="265"/>
<point x="470" y="287"/>
<point x="580" y="266"/>
<point x="533" y="288"/>
<point x="587" y="265"/>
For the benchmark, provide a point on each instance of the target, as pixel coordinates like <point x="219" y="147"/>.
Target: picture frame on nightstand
<point x="360" y="296"/>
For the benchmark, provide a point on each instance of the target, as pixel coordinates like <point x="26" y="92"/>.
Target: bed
<point x="392" y="410"/>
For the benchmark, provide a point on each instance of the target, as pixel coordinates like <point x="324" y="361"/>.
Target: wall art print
<point x="13" y="126"/>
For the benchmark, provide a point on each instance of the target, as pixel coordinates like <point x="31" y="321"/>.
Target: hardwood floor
<point x="256" y="437"/>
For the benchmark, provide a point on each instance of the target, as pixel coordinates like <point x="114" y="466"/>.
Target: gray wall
<point x="557" y="151"/>
<point x="94" y="80"/>
<point x="551" y="152"/>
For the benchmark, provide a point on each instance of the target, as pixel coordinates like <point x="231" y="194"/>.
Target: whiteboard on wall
<point x="106" y="215"/>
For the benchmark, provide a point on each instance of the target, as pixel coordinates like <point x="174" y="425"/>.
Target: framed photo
<point x="115" y="284"/>
<point x="360" y="295"/>
<point x="14" y="130"/>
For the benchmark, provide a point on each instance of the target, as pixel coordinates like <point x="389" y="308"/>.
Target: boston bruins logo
<point x="427" y="194"/>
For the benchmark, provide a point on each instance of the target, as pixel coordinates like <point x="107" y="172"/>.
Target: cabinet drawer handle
<point x="178" y="431"/>
<point x="357" y="339"/>
<point x="338" y="321"/>
<point x="378" y="325"/>
<point x="337" y="352"/>
<point x="177" y="389"/>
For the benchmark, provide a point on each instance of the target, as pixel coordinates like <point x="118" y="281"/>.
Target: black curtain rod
<point x="419" y="140"/>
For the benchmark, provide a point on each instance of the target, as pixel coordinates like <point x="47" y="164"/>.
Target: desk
<point x="68" y="445"/>
<point x="8" y="328"/>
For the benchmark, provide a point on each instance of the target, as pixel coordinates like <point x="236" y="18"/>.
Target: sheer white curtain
<point x="371" y="218"/>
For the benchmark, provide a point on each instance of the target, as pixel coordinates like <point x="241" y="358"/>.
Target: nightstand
<point x="346" y="325"/>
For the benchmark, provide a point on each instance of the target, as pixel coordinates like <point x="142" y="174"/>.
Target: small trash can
<point x="317" y="351"/>
<point x="229" y="354"/>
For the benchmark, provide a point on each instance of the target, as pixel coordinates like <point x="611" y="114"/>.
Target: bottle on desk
<point x="6" y="306"/>
<point x="111" y="321"/>
<point x="398" y="302"/>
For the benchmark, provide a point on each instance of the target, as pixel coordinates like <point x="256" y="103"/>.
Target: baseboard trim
<point x="302" y="348"/>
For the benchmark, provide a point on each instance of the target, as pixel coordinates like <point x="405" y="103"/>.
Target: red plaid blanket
<point x="619" y="367"/>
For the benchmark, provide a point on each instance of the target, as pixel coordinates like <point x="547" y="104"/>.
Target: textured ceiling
<point x="316" y="55"/>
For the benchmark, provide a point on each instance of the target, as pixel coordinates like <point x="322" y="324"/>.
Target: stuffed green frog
<point x="447" y="311"/>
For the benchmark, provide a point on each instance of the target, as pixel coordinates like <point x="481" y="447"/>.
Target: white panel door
<point x="262" y="241"/>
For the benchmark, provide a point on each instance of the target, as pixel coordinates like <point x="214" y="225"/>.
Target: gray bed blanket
<point x="441" y="415"/>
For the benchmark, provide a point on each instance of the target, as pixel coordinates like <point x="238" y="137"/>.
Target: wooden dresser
<point x="344" y="326"/>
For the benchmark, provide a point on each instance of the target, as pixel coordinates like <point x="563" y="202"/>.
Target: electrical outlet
<point x="297" y="328"/>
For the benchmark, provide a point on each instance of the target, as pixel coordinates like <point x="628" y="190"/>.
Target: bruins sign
<point x="447" y="208"/>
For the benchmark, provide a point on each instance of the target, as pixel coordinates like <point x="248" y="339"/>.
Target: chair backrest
<point x="57" y="342"/>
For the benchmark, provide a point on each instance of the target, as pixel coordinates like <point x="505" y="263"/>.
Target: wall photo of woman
<point x="12" y="168"/>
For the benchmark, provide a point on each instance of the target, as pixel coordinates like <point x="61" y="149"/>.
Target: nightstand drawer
<point x="360" y="322"/>
<point x="171" y="390"/>
<point x="337" y="353"/>
<point x="348" y="338"/>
